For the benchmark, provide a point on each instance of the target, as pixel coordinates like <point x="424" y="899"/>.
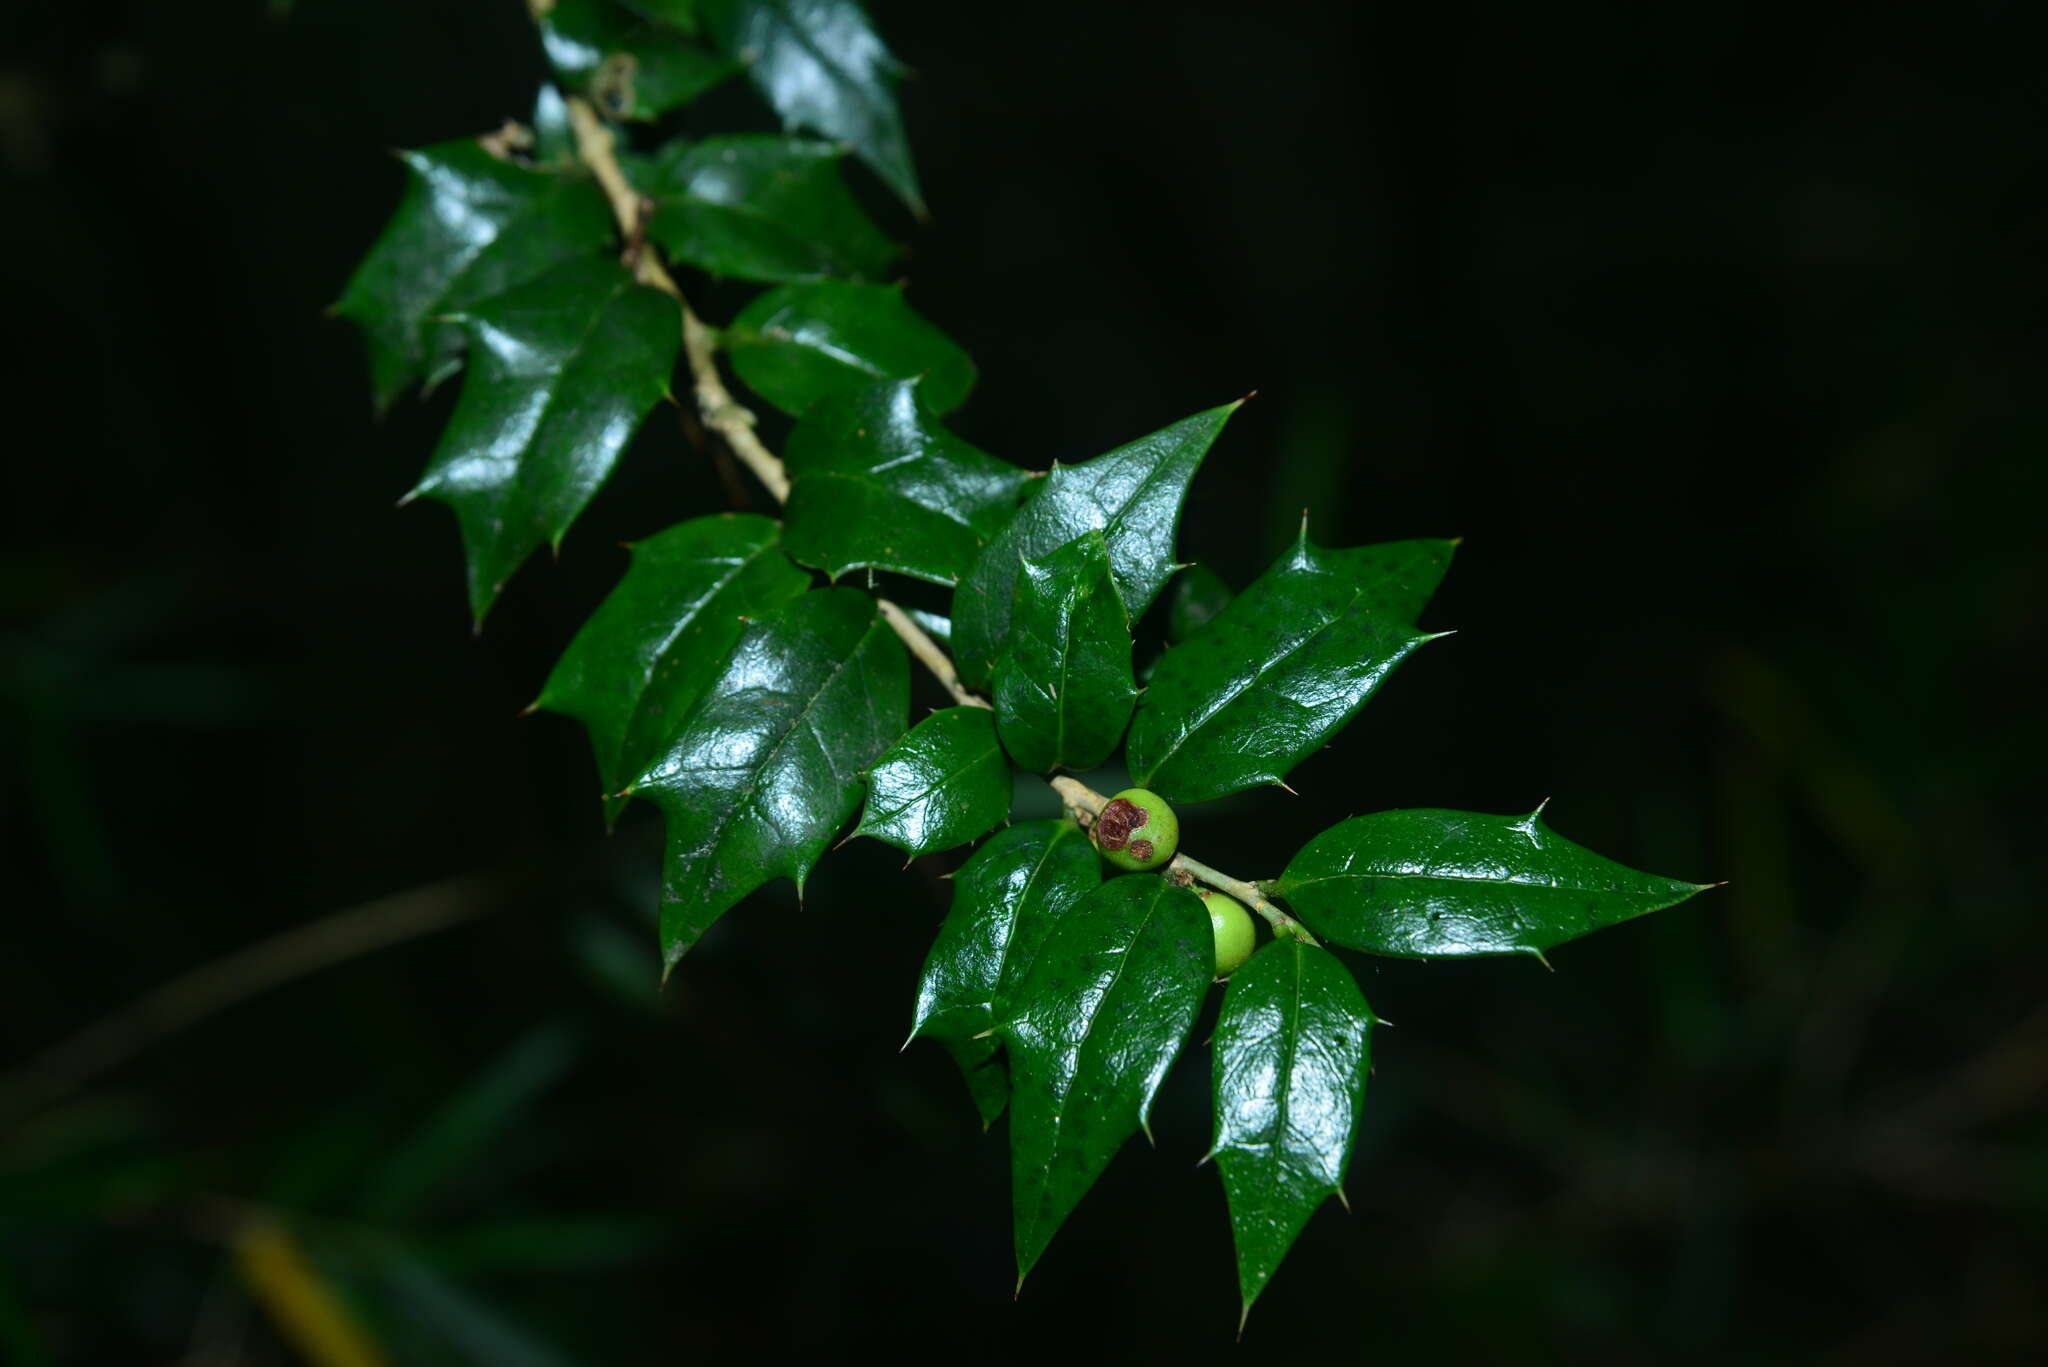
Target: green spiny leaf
<point x="769" y="766"/>
<point x="805" y="340"/>
<point x="941" y="785"/>
<point x="469" y="228"/>
<point x="563" y="369"/>
<point x="1427" y="884"/>
<point x="636" y="670"/>
<point x="1132" y="495"/>
<point x="1007" y="899"/>
<point x="879" y="484"/>
<point x="821" y="66"/>
<point x="630" y="66"/>
<point x="762" y="207"/>
<point x="1292" y="1050"/>
<point x="1280" y="670"/>
<point x="1106" y="1008"/>
<point x="1063" y="688"/>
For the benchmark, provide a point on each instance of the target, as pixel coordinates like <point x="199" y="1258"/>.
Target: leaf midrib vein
<point x="789" y="240"/>
<point x="1292" y="1049"/>
<point x="1258" y="673"/>
<point x="925" y="794"/>
<point x="517" y="494"/>
<point x="661" y="654"/>
<point x="1467" y="878"/>
<point x="733" y="810"/>
<point x="523" y="214"/>
<point x="1009" y="941"/>
<point x="1059" y="1123"/>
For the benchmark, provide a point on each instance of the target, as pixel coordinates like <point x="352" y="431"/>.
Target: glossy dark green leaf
<point x="1280" y="670"/>
<point x="1063" y="689"/>
<point x="632" y="67"/>
<point x="1094" y="1028"/>
<point x="769" y="766"/>
<point x="762" y="207"/>
<point x="636" y="670"/>
<point x="1132" y="495"/>
<point x="1007" y="899"/>
<point x="801" y="342"/>
<point x="1292" y="1050"/>
<point x="561" y="371"/>
<point x="821" y="66"/>
<point x="1198" y="594"/>
<point x="940" y="786"/>
<point x="469" y="227"/>
<point x="879" y="484"/>
<point x="1426" y="884"/>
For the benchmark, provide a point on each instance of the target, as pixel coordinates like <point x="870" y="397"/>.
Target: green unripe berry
<point x="1136" y="830"/>
<point x="1232" y="926"/>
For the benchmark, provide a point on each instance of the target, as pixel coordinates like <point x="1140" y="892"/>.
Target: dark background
<point x="1715" y="330"/>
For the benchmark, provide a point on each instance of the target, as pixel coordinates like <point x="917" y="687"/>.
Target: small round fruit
<point x="1232" y="926"/>
<point x="1137" y="830"/>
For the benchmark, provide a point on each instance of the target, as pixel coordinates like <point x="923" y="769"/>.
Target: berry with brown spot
<point x="1136" y="830"/>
